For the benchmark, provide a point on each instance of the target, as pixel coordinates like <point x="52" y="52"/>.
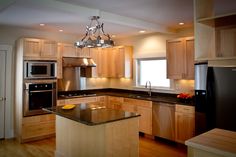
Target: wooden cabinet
<point x="180" y="58"/>
<point x="184" y="122"/>
<point x="113" y="62"/>
<point x="39" y="49"/>
<point x="122" y="65"/>
<point x="164" y="120"/>
<point x="115" y="102"/>
<point x="38" y="127"/>
<point x="100" y="57"/>
<point x="215" y="33"/>
<point x="101" y="99"/>
<point x="67" y="50"/>
<point x="144" y="108"/>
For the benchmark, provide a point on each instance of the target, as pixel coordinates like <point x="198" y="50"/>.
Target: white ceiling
<point x="120" y="17"/>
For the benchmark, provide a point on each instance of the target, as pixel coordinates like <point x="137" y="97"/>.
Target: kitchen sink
<point x="139" y="96"/>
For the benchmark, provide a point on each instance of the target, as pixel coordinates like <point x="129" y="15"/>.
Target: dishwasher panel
<point x="164" y="120"/>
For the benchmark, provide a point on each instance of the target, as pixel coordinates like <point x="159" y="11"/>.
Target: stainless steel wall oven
<point x="38" y="96"/>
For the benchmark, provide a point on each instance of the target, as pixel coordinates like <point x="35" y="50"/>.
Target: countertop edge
<point x="209" y="149"/>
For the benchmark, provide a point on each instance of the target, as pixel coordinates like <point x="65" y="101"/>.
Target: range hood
<point x="78" y="62"/>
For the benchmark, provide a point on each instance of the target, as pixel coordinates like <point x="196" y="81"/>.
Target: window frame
<point x="138" y="70"/>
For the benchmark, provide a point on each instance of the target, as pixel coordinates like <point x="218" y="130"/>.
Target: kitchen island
<point x="92" y="130"/>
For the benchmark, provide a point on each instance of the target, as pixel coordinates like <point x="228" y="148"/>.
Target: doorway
<point x="2" y="92"/>
<point x="6" y="92"/>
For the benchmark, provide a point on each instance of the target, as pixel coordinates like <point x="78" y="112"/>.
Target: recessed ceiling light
<point x="142" y="31"/>
<point x="181" y="23"/>
<point x="61" y="30"/>
<point x="41" y="24"/>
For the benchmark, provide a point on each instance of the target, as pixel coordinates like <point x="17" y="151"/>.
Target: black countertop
<point x="142" y="95"/>
<point x="92" y="113"/>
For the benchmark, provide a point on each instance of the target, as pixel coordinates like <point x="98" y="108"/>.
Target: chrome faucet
<point x="150" y="87"/>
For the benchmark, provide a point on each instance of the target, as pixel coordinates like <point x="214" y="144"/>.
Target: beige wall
<point x="145" y="46"/>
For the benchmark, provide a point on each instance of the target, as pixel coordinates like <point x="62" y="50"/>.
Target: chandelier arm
<point x="107" y="35"/>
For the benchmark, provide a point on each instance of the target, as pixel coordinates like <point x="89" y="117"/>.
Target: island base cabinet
<point x="114" y="139"/>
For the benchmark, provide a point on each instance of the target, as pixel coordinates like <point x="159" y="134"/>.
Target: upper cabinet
<point x="113" y="62"/>
<point x="39" y="49"/>
<point x="180" y="58"/>
<point x="215" y="33"/>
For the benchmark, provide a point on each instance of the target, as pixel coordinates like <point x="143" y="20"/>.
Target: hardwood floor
<point x="42" y="148"/>
<point x="45" y="148"/>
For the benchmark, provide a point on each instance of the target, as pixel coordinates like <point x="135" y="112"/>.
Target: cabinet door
<point x="32" y="47"/>
<point x="145" y="120"/>
<point x="189" y="46"/>
<point x="175" y="59"/>
<point x="129" y="105"/>
<point x="115" y="102"/>
<point x="112" y="61"/>
<point x="103" y="62"/>
<point x="164" y="120"/>
<point x="49" y="49"/>
<point x="125" y="62"/>
<point x="184" y="122"/>
<point x="68" y="50"/>
<point x="184" y="126"/>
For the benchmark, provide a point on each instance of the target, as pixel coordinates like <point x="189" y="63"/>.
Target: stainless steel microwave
<point x="40" y="69"/>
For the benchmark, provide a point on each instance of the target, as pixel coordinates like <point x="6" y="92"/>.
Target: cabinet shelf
<point x="219" y="20"/>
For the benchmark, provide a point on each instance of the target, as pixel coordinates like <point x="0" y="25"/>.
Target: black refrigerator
<point x="215" y="98"/>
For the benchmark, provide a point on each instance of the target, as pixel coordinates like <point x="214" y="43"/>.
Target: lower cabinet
<point x="37" y="127"/>
<point x="144" y="108"/>
<point x="76" y="100"/>
<point x="184" y="122"/>
<point x="115" y="102"/>
<point x="164" y="120"/>
<point x="170" y="121"/>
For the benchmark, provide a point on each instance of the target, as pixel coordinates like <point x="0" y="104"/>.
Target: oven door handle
<point x="39" y="91"/>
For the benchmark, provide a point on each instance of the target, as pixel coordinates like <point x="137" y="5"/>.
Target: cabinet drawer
<point x="38" y="119"/>
<point x="184" y="109"/>
<point x="80" y="100"/>
<point x="38" y="129"/>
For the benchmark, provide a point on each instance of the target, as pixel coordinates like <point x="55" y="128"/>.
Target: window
<point x="153" y="70"/>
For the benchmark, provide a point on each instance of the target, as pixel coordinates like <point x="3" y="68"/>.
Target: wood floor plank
<point x="45" y="148"/>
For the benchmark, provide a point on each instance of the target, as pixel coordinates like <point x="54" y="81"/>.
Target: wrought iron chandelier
<point x="95" y="36"/>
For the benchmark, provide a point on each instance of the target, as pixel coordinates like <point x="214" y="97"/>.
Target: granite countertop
<point x="142" y="95"/>
<point x="92" y="113"/>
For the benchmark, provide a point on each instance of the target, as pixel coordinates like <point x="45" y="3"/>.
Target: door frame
<point x="9" y="106"/>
